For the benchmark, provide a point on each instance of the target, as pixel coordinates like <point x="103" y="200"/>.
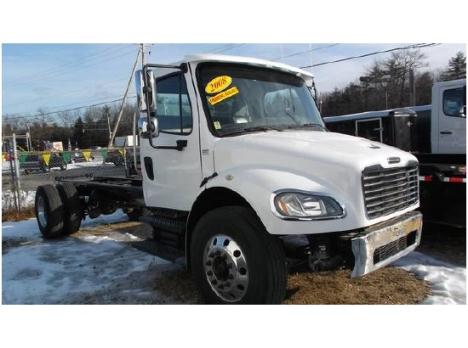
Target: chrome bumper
<point x="384" y="243"/>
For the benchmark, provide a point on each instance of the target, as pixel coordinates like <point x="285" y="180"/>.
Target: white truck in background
<point x="235" y="161"/>
<point x="440" y="135"/>
<point x="436" y="135"/>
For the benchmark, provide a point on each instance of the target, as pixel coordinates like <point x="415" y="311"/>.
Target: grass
<point x="13" y="215"/>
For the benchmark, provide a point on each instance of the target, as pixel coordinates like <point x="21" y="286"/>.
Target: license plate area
<point x="381" y="245"/>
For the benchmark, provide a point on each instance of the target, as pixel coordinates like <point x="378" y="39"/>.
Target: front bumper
<point x="384" y="243"/>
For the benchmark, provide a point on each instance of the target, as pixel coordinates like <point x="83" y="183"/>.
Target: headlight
<point x="301" y="205"/>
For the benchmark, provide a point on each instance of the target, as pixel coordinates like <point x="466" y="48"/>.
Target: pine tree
<point x="456" y="69"/>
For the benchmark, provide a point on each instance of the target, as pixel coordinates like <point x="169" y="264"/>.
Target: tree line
<point x="80" y="129"/>
<point x="391" y="83"/>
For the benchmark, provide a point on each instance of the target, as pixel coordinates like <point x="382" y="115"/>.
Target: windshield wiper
<point x="254" y="129"/>
<point x="308" y="125"/>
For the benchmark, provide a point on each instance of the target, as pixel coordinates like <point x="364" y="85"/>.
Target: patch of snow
<point x="27" y="199"/>
<point x="94" y="163"/>
<point x="77" y="269"/>
<point x="447" y="281"/>
<point x="26" y="229"/>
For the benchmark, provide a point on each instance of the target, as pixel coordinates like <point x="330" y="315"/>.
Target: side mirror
<point x="145" y="92"/>
<point x="153" y="127"/>
<point x="148" y="130"/>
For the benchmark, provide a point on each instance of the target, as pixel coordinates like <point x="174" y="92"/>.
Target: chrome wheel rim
<point x="41" y="213"/>
<point x="226" y="268"/>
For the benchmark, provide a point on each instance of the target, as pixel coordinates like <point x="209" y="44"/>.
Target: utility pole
<point x="13" y="181"/>
<point x="142" y="48"/>
<point x="108" y="123"/>
<point x="111" y="140"/>
<point x="16" y="177"/>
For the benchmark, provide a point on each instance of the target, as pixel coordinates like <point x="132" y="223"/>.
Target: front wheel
<point x="235" y="260"/>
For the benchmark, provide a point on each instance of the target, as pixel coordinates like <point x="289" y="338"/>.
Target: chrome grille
<point x="389" y="190"/>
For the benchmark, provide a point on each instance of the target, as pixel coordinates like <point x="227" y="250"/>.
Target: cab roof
<point x="200" y="58"/>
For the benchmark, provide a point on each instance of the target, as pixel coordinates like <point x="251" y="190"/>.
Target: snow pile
<point x="448" y="282"/>
<point x="27" y="199"/>
<point x="94" y="163"/>
<point x="77" y="270"/>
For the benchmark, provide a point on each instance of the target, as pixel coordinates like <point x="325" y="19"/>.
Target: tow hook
<point x="318" y="255"/>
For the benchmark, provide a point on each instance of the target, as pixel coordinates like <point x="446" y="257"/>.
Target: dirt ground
<point x="386" y="286"/>
<point x="389" y="285"/>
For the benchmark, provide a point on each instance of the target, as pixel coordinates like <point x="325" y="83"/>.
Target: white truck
<point x="236" y="163"/>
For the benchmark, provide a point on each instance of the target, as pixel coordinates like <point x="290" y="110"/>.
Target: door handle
<point x="179" y="147"/>
<point x="446" y="132"/>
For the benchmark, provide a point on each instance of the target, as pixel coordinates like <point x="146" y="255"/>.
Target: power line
<point x="308" y="51"/>
<point x="73" y="67"/>
<point x="230" y="47"/>
<point x="421" y="45"/>
<point x="66" y="110"/>
<point x="68" y="93"/>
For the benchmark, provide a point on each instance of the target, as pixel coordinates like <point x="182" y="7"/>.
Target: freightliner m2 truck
<point x="236" y="162"/>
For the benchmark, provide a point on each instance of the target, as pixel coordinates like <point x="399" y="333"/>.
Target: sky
<point x="62" y="76"/>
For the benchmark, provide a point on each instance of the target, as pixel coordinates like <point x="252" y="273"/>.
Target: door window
<point x="454" y="102"/>
<point x="173" y="105"/>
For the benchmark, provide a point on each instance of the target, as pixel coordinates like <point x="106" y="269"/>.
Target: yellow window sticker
<point x="223" y="95"/>
<point x="218" y="84"/>
<point x="217" y="125"/>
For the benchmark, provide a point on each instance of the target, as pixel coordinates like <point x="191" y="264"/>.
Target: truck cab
<point x="232" y="130"/>
<point x="448" y="117"/>
<point x="239" y="173"/>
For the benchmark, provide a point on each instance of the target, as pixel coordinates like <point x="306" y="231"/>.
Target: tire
<point x="49" y="211"/>
<point x="256" y="274"/>
<point x="72" y="208"/>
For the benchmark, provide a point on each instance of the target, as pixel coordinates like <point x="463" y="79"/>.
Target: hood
<point x="325" y="157"/>
<point x="309" y="146"/>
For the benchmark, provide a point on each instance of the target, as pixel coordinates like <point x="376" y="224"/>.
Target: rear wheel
<point x="49" y="211"/>
<point x="234" y="260"/>
<point x="73" y="210"/>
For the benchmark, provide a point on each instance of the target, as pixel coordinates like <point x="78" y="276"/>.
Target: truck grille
<point x="389" y="190"/>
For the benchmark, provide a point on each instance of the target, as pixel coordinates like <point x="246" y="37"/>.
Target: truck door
<point x="370" y="129"/>
<point x="171" y="176"/>
<point x="451" y="120"/>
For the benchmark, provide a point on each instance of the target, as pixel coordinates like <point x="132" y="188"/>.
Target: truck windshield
<point x="240" y="99"/>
